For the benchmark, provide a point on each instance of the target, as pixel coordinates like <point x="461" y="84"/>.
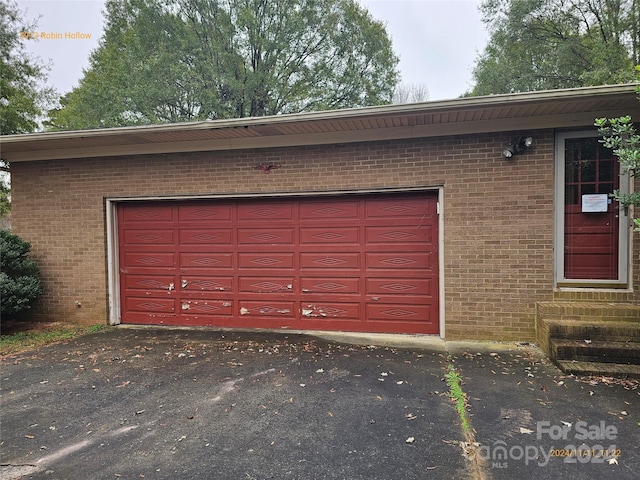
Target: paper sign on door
<point x="595" y="203"/>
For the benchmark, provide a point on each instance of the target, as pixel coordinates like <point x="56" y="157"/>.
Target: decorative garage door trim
<point x="352" y="263"/>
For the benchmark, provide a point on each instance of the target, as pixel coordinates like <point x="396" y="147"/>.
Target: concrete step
<point x="598" y="368"/>
<point x="599" y="351"/>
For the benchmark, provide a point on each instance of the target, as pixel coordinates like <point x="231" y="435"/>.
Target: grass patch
<point x="20" y="341"/>
<point x="458" y="396"/>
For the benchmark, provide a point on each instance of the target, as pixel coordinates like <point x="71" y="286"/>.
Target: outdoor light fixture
<point x="520" y="146"/>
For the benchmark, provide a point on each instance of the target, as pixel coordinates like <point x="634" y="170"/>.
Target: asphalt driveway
<point x="199" y="404"/>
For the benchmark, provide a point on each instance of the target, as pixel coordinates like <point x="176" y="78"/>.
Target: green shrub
<point x="19" y="276"/>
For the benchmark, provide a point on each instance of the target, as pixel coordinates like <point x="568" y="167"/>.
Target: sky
<point x="437" y="40"/>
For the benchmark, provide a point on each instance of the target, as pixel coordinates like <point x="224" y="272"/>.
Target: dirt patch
<point x="13" y="326"/>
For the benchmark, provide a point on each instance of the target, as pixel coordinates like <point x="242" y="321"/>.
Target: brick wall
<point x="498" y="215"/>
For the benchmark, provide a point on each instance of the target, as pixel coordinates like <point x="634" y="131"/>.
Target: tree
<point x="621" y="135"/>
<point x="551" y="44"/>
<point x="411" y="93"/>
<point x="163" y="61"/>
<point x="19" y="275"/>
<point x="23" y="96"/>
<point x="5" y="189"/>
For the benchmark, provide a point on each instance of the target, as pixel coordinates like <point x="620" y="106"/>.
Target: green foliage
<point x="620" y="135"/>
<point x="456" y="394"/>
<point x="5" y="198"/>
<point x="22" y="94"/>
<point x="164" y="61"/>
<point x="551" y="44"/>
<point x="19" y="275"/>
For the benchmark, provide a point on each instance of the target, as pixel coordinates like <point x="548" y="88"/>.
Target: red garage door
<point x="365" y="263"/>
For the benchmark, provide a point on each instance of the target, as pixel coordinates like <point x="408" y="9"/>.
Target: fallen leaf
<point x="410" y="440"/>
<point x="624" y="413"/>
<point x="526" y="430"/>
<point x="29" y="436"/>
<point x="567" y="424"/>
<point x="320" y="370"/>
<point x="613" y="461"/>
<point x="587" y="341"/>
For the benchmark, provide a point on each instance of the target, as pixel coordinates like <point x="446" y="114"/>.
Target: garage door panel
<point x="330" y="310"/>
<point x="149" y="237"/>
<point x="147" y="212"/>
<point x="206" y="306"/>
<point x="149" y="282"/>
<point x="151" y="304"/>
<point x="333" y="285"/>
<point x="219" y="236"/>
<point x="330" y="235"/>
<point x="265" y="211"/>
<point x="267" y="308"/>
<point x="265" y="260"/>
<point x="395" y="208"/>
<point x="397" y="312"/>
<point x="364" y="263"/>
<point x="330" y="260"/>
<point x="401" y="261"/>
<point x="206" y="260"/>
<point x="264" y="236"/>
<point x="268" y="284"/>
<point x="204" y="212"/>
<point x="191" y="283"/>
<point x="400" y="235"/>
<point x="400" y="286"/>
<point x="333" y="211"/>
<point x="148" y="260"/>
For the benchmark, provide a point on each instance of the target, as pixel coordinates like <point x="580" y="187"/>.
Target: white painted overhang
<point x="568" y="108"/>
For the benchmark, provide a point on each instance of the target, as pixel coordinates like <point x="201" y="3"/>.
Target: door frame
<point x="624" y="231"/>
<point x="111" y="220"/>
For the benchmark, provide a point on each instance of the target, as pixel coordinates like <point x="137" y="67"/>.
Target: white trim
<point x="113" y="262"/>
<point x="624" y="238"/>
<point x="113" y="258"/>
<point x="441" y="292"/>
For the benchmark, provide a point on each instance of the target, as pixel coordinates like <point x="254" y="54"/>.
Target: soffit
<point x="570" y="108"/>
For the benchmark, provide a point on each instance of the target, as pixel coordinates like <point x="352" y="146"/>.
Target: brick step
<point x="599" y="368"/>
<point x="588" y="311"/>
<point x="596" y="351"/>
<point x="626" y="330"/>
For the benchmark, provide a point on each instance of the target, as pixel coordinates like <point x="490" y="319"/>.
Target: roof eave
<point x="76" y="144"/>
